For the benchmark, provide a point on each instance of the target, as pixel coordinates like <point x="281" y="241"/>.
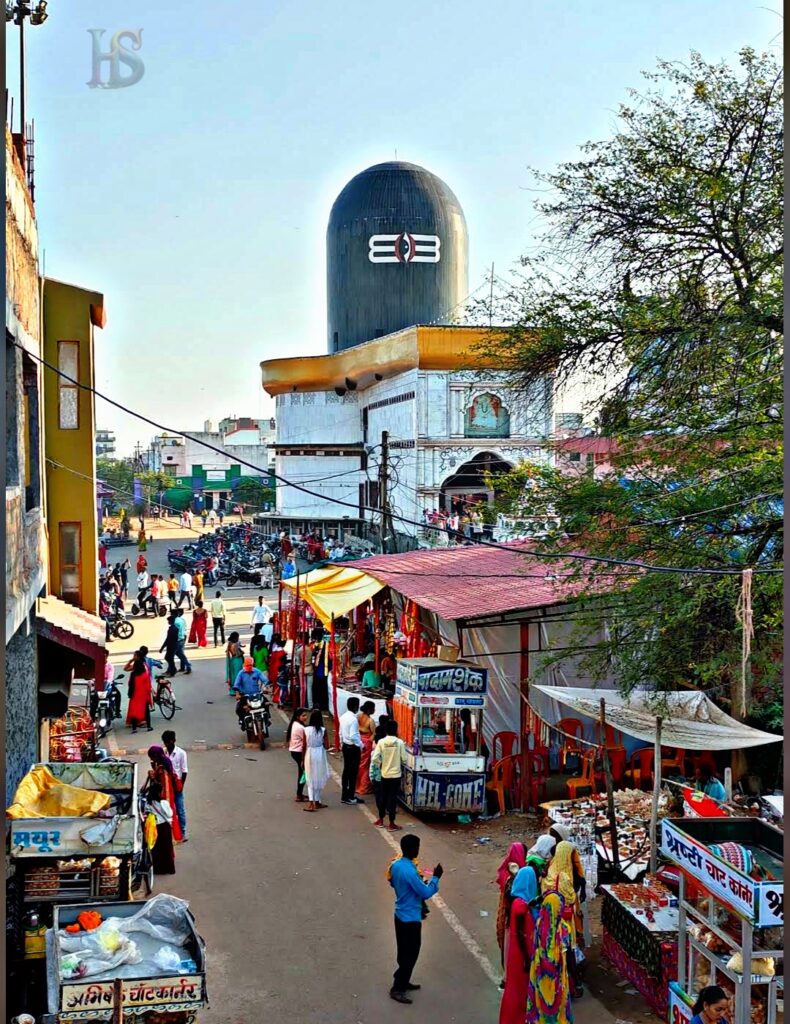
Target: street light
<point x="17" y="12"/>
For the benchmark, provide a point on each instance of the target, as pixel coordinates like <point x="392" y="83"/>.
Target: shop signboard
<point x="94" y="1000"/>
<point x="432" y="676"/>
<point x="680" y="1011"/>
<point x="462" y="793"/>
<point x="722" y="879"/>
<point x="770" y="906"/>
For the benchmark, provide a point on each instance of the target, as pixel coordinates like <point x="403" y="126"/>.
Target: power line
<point x="576" y="556"/>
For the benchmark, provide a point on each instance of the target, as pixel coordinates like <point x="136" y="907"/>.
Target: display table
<point x="364" y="695"/>
<point x="640" y="939"/>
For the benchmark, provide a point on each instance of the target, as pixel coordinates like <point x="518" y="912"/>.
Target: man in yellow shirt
<point x="389" y="758"/>
<point x="172" y="589"/>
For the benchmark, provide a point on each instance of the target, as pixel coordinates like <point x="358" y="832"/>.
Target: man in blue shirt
<point x="709" y="784"/>
<point x="410" y="895"/>
<point x="248" y="683"/>
<point x="180" y="653"/>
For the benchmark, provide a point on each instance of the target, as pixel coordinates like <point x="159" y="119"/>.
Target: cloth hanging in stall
<point x="41" y="795"/>
<point x="690" y="720"/>
<point x="334" y="590"/>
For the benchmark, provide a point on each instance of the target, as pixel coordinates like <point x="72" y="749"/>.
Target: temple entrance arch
<point x="468" y="485"/>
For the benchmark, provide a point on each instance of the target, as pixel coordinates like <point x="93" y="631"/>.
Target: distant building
<point x="209" y="475"/>
<point x="105" y="443"/>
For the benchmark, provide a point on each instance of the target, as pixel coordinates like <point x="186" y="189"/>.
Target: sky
<point x="197" y="199"/>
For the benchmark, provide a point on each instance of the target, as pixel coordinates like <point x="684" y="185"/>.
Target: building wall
<point x="313" y="417"/>
<point x="71" y="491"/>
<point x="320" y="473"/>
<point x="26" y="551"/>
<point x="21" y="707"/>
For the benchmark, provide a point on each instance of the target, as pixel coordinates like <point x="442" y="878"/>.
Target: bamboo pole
<point x="333" y="656"/>
<point x="656" y="794"/>
<point x="607" y="771"/>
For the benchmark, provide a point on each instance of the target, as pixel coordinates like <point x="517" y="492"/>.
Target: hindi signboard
<point x="433" y="677"/>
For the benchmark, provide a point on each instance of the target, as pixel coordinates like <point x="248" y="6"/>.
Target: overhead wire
<point x="578" y="556"/>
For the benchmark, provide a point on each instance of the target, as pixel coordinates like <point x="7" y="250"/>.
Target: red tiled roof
<point x="476" y="581"/>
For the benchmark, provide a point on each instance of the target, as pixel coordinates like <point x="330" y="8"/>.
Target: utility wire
<point x="577" y="556"/>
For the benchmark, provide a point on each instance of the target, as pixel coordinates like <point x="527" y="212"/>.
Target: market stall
<point x="439" y="707"/>
<point x="731" y="912"/>
<point x="342" y="694"/>
<point x="125" y="961"/>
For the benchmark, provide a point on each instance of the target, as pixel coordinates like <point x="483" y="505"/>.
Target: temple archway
<point x="468" y="485"/>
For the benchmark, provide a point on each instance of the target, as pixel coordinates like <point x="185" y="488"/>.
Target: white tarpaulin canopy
<point x="689" y="720"/>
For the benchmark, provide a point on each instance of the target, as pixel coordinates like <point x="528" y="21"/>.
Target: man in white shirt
<point x="178" y="758"/>
<point x="261" y="613"/>
<point x="352" y="751"/>
<point x="143" y="580"/>
<point x="185" y="589"/>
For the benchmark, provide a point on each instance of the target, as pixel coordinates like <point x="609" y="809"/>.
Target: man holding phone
<point x="411" y="892"/>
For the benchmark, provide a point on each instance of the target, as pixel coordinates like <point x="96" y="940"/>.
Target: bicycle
<point x="165" y="698"/>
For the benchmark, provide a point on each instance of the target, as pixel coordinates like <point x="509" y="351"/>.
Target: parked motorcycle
<point x="105" y="707"/>
<point x="258" y="577"/>
<point x="120" y="626"/>
<point x="256" y="720"/>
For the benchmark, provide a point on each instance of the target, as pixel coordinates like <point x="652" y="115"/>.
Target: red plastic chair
<point x="569" y="746"/>
<point x="534" y="785"/>
<point x="673" y="759"/>
<point x="505" y="781"/>
<point x="587" y="778"/>
<point x="612" y="737"/>
<point x="640" y="774"/>
<point x="617" y="762"/>
<point x="507" y="742"/>
<point x="702" y="757"/>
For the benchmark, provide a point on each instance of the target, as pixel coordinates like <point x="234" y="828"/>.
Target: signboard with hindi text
<point x="433" y="677"/>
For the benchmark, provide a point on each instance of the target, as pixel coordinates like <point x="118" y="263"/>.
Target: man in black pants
<point x="411" y="892"/>
<point x="352" y="751"/>
<point x="389" y="758"/>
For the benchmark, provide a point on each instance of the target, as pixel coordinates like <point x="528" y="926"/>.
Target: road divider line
<point x="466" y="938"/>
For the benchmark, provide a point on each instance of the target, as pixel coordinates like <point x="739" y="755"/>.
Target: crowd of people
<point x="540" y="929"/>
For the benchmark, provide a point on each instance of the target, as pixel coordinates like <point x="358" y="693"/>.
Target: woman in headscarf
<point x="163" y="854"/>
<point x="519" y="945"/>
<point x="367" y="729"/>
<point x="161" y="772"/>
<point x="548" y="990"/>
<point x="234" y="660"/>
<point x="560" y="879"/>
<point x="538" y="858"/>
<point x="515" y="859"/>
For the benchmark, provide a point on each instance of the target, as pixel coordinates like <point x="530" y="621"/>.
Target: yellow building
<point x="70" y="315"/>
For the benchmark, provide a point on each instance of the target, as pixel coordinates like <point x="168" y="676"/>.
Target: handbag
<point x="302" y="779"/>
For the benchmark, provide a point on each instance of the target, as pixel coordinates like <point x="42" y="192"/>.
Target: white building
<point x="449" y="420"/>
<point x="242" y="440"/>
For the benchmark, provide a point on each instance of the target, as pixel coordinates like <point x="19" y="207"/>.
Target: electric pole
<point x="383" y="496"/>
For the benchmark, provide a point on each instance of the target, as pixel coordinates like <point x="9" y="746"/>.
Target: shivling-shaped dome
<point x="396" y="254"/>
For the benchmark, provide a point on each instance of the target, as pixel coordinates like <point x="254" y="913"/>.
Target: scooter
<point x="146" y="602"/>
<point x="105" y="707"/>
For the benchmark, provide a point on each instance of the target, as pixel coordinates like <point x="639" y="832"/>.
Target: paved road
<point x="294" y="907"/>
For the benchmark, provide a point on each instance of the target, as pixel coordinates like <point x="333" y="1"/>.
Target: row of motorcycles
<point x="243" y="556"/>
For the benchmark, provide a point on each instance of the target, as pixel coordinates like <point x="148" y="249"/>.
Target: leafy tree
<point x="658" y="281"/>
<point x="252" y="495"/>
<point x="118" y="474"/>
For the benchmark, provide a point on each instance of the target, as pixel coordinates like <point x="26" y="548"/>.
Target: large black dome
<point x="396" y="254"/>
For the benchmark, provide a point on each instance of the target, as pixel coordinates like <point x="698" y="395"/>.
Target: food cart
<point x="730" y="913"/>
<point x="143" y="963"/>
<point x="439" y="707"/>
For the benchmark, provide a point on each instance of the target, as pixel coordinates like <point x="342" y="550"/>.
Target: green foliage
<point x="658" y="281"/>
<point x="253" y="495"/>
<point x="118" y="474"/>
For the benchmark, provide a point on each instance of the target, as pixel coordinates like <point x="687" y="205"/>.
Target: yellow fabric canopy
<point x="40" y="795"/>
<point x="334" y="590"/>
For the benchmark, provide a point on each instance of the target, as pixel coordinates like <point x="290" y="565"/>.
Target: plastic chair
<point x="587" y="778"/>
<point x="507" y="741"/>
<point x="617" y="761"/>
<point x="611" y="737"/>
<point x="700" y="758"/>
<point x="503" y="776"/>
<point x="534" y="785"/>
<point x="641" y="770"/>
<point x="570" y="746"/>
<point x="673" y="759"/>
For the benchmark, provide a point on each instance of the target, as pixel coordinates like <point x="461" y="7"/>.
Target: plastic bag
<point x="167" y="958"/>
<point x="578" y="952"/>
<point x="149" y="831"/>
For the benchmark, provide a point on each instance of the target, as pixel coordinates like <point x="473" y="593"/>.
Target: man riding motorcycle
<point x="248" y="683"/>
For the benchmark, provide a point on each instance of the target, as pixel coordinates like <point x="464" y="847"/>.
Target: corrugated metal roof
<point x="475" y="581"/>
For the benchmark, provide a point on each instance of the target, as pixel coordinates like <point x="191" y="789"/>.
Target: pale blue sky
<point x="197" y="199"/>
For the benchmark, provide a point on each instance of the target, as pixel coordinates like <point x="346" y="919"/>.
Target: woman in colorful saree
<point x="161" y="772"/>
<point x="548" y="990"/>
<point x="519" y="945"/>
<point x="560" y="879"/>
<point x="367" y="728"/>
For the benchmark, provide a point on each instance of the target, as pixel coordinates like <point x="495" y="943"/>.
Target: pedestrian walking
<point x="367" y="729"/>
<point x="161" y="772"/>
<point x="172" y="590"/>
<point x="181" y="629"/>
<point x="185" y="588"/>
<point x="234" y="660"/>
<point x="140" y="696"/>
<point x="316" y="765"/>
<point x="411" y="892"/>
<point x="203" y="517"/>
<point x="163" y="854"/>
<point x="218" y="617"/>
<point x="261" y="613"/>
<point x="178" y="758"/>
<point x="351" y="743"/>
<point x="197" y="631"/>
<point x="259" y="650"/>
<point x="212" y="518"/>
<point x="169" y="645"/>
<point x="515" y="859"/>
<point x="548" y="989"/>
<point x="296" y="738"/>
<point x="389" y="757"/>
<point x="124" y="571"/>
<point x="197" y="583"/>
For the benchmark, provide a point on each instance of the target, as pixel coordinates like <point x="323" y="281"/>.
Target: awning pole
<point x="607" y="771"/>
<point x="656" y="794"/>
<point x="333" y="656"/>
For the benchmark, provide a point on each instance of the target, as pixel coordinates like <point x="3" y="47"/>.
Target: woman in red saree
<point x="197" y="632"/>
<point x="161" y="772"/>
<point x="276" y="657"/>
<point x="367" y="728"/>
<point x="140" y="696"/>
